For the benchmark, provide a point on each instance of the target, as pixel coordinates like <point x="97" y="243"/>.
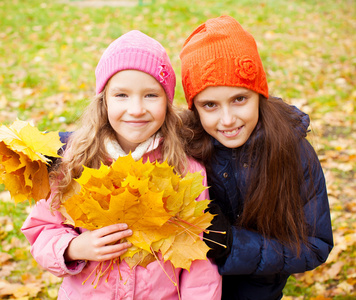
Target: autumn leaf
<point x="182" y="244"/>
<point x="135" y="255"/>
<point x="157" y="204"/>
<point x="23" y="150"/>
<point x="4" y="257"/>
<point x="18" y="291"/>
<point x="22" y="137"/>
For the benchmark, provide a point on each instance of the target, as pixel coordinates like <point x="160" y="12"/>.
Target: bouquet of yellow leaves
<point x="158" y="205"/>
<point x="23" y="164"/>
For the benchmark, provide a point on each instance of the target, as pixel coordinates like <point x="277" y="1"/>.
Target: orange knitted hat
<point x="221" y="53"/>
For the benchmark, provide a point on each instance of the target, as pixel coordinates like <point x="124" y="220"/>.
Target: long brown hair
<point x="86" y="146"/>
<point x="273" y="203"/>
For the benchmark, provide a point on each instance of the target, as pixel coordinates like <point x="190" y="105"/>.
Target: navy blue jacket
<point x="258" y="267"/>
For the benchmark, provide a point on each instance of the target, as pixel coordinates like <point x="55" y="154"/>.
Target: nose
<point x="227" y="117"/>
<point x="136" y="107"/>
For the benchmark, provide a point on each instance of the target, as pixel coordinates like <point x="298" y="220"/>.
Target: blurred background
<point x="48" y="54"/>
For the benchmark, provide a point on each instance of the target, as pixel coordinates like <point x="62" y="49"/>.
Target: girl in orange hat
<point x="265" y="179"/>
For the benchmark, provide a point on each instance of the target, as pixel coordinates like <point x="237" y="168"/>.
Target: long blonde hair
<point x="86" y="146"/>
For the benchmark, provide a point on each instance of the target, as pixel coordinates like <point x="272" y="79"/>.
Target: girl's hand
<point x="219" y="223"/>
<point x="99" y="245"/>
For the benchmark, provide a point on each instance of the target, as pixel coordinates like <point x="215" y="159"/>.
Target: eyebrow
<point x="205" y="100"/>
<point x="153" y="90"/>
<point x="117" y="89"/>
<point x="236" y="95"/>
<point x="124" y="89"/>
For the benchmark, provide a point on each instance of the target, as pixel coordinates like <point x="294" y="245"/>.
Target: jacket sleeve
<point x="203" y="281"/>
<point x="49" y="238"/>
<point x="253" y="254"/>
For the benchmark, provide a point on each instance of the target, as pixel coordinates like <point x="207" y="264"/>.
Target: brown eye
<point x="121" y="95"/>
<point x="209" y="105"/>
<point x="151" y="96"/>
<point x="240" y="99"/>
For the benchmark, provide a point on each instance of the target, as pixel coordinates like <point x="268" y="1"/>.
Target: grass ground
<point x="49" y="49"/>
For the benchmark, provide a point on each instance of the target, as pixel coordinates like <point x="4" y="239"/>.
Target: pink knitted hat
<point x="136" y="51"/>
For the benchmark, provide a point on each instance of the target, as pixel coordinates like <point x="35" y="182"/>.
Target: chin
<point x="231" y="144"/>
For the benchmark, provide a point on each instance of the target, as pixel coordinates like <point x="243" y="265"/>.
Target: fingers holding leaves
<point x="99" y="245"/>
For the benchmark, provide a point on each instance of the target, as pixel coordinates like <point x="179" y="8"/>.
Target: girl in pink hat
<point x="131" y="112"/>
<point x="266" y="182"/>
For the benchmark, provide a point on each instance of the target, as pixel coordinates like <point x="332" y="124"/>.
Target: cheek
<point x="249" y="114"/>
<point x="161" y="116"/>
<point x="254" y="117"/>
<point x="159" y="112"/>
<point x="111" y="113"/>
<point x="208" y="122"/>
<point x="114" y="113"/>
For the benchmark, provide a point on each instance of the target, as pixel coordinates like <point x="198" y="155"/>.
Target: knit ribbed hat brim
<point x="136" y="51"/>
<point x="221" y="53"/>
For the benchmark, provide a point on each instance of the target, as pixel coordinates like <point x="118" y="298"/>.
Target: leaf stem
<point x="109" y="268"/>
<point x="214" y="231"/>
<point x="91" y="273"/>
<point x="190" y="224"/>
<point x="175" y="283"/>
<point x="175" y="277"/>
<point x="206" y="231"/>
<point x="215" y="242"/>
<point x="98" y="275"/>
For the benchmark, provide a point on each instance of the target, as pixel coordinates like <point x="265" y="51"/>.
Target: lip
<point x="136" y="123"/>
<point x="231" y="132"/>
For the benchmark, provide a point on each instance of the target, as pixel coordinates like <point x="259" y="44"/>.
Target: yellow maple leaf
<point x="91" y="176"/>
<point x="182" y="244"/>
<point x="23" y="150"/>
<point x="134" y="255"/>
<point x="23" y="137"/>
<point x="157" y="204"/>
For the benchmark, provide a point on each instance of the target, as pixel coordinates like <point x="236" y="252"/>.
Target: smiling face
<point x="229" y="114"/>
<point x="137" y="106"/>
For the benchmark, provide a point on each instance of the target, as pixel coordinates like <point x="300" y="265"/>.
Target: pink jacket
<point x="49" y="238"/>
